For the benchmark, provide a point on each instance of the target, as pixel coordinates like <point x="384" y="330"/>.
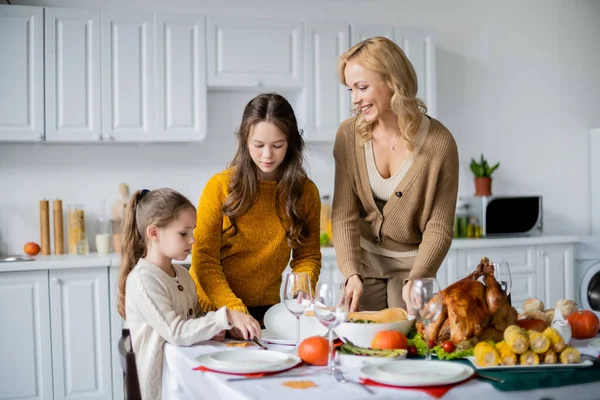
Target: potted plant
<point x="483" y="176"/>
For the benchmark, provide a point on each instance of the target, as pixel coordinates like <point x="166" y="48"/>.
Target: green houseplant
<point x="483" y="176"/>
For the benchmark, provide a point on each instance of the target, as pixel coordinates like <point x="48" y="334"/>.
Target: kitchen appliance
<point x="505" y="215"/>
<point x="587" y="274"/>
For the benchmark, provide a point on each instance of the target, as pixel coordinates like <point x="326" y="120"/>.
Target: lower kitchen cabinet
<point x="25" y="349"/>
<point x="55" y="337"/>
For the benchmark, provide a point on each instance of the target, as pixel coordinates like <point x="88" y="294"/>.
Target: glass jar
<point x="326" y="236"/>
<point x="76" y="228"/>
<point x="103" y="233"/>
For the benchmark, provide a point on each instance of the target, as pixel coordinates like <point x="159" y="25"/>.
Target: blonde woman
<point x="396" y="180"/>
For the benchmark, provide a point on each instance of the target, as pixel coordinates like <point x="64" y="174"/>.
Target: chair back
<point x="131" y="384"/>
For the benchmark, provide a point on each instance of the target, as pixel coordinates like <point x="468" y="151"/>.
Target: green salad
<point x="415" y="339"/>
<point x="361" y="321"/>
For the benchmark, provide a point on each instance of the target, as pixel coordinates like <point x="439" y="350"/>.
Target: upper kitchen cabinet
<point x="72" y="75"/>
<point x="254" y="54"/>
<point x="420" y="50"/>
<point x="128" y="76"/>
<point x="180" y="78"/>
<point x="21" y="80"/>
<point x="361" y="32"/>
<point x="326" y="101"/>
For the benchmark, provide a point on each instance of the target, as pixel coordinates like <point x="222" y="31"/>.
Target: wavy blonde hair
<point x="157" y="207"/>
<point x="386" y="58"/>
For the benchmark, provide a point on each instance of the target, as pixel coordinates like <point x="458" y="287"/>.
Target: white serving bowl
<point x="282" y="324"/>
<point x="362" y="334"/>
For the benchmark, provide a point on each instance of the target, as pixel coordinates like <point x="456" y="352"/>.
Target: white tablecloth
<point x="180" y="382"/>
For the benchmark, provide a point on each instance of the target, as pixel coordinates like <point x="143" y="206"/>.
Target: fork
<point x="340" y="378"/>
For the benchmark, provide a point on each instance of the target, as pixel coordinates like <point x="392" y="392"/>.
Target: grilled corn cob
<point x="538" y="343"/>
<point x="570" y="355"/>
<point x="556" y="341"/>
<point x="486" y="355"/>
<point x="516" y="339"/>
<point x="529" y="358"/>
<point x="507" y="356"/>
<point x="549" y="357"/>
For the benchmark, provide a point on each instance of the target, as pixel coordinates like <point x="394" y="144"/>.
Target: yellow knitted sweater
<point x="244" y="270"/>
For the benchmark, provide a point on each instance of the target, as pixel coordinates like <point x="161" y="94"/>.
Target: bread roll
<point x="533" y="304"/>
<point x="566" y="307"/>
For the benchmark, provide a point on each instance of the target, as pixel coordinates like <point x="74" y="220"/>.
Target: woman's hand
<point x="354" y="290"/>
<point x="219" y="337"/>
<point x="406" y="298"/>
<point x="243" y="325"/>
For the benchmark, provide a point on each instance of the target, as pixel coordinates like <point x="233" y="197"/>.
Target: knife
<point x="262" y="346"/>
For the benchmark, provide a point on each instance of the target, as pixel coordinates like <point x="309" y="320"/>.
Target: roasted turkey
<point x="472" y="311"/>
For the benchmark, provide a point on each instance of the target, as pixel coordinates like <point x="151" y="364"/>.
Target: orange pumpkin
<point x="387" y="340"/>
<point x="314" y="350"/>
<point x="584" y="324"/>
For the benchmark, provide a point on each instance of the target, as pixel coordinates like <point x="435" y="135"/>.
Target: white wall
<point x="525" y="95"/>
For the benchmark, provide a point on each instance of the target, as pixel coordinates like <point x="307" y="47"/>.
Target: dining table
<point x="182" y="380"/>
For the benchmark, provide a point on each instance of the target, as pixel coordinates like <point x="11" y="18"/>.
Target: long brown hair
<point x="384" y="57"/>
<point x="243" y="188"/>
<point x="158" y="207"/>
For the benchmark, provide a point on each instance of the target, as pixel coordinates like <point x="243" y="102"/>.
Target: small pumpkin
<point x="584" y="324"/>
<point x="389" y="340"/>
<point x="314" y="350"/>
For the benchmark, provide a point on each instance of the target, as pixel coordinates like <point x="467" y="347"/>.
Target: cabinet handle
<point x="39" y="136"/>
<point x="542" y="253"/>
<point x="98" y="136"/>
<point x="110" y="137"/>
<point x="56" y="280"/>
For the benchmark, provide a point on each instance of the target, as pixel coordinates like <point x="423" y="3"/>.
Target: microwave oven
<point x="505" y="215"/>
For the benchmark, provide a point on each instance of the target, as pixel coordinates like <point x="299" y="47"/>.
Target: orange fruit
<point x="389" y="340"/>
<point x="314" y="350"/>
<point x="31" y="248"/>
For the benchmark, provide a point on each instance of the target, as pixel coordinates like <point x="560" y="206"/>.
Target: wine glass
<point x="502" y="274"/>
<point x="331" y="307"/>
<point x="296" y="296"/>
<point x="426" y="300"/>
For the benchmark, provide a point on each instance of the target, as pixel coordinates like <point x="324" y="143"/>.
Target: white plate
<point x="594" y="344"/>
<point x="353" y="360"/>
<point x="582" y="364"/>
<point x="249" y="361"/>
<point x="253" y="357"/>
<point x="409" y="373"/>
<point x="268" y="337"/>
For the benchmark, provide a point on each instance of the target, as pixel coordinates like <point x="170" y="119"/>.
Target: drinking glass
<point x="502" y="274"/>
<point x="296" y="296"/>
<point x="426" y="300"/>
<point x="331" y="308"/>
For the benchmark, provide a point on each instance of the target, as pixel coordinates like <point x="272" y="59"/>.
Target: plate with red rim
<point x="409" y="373"/>
<point x="268" y="337"/>
<point x="248" y="361"/>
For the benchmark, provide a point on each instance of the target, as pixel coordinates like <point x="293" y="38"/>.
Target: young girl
<point x="157" y="298"/>
<point x="256" y="213"/>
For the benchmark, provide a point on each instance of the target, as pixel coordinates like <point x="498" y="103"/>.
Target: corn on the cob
<point x="548" y="357"/>
<point x="516" y="339"/>
<point x="538" y="343"/>
<point x="507" y="356"/>
<point x="556" y="341"/>
<point x="529" y="358"/>
<point x="486" y="355"/>
<point x="570" y="355"/>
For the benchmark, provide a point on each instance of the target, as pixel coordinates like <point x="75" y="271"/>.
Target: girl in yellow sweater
<point x="255" y="213"/>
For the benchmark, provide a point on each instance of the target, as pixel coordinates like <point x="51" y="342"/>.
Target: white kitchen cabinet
<point x="448" y="270"/>
<point x="81" y="345"/>
<point x="361" y="32"/>
<point x="256" y="54"/>
<point x="116" y="325"/>
<point x="555" y="273"/>
<point x="128" y="76"/>
<point x="72" y="66"/>
<point x="180" y="78"/>
<point x="25" y="349"/>
<point x="326" y="101"/>
<point x="22" y="77"/>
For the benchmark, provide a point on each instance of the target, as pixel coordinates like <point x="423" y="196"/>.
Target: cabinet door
<point x="420" y="50"/>
<point x="327" y="102"/>
<point x="361" y="32"/>
<point x="72" y="75"/>
<point x="180" y="78"/>
<point x="254" y="53"/>
<point x="21" y="80"/>
<point x="446" y="275"/>
<point x="116" y="325"/>
<point x="25" y="352"/>
<point x="80" y="333"/>
<point x="555" y="273"/>
<point x="128" y="76"/>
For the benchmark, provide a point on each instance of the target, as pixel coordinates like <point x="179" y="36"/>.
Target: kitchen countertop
<point x="93" y="260"/>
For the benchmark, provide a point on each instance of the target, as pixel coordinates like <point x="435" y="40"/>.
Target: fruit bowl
<point x="362" y="334"/>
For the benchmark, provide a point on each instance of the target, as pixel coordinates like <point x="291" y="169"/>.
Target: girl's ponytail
<point x="134" y="247"/>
